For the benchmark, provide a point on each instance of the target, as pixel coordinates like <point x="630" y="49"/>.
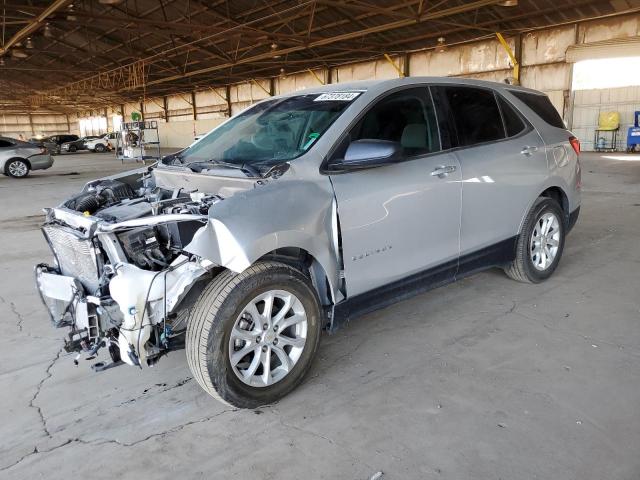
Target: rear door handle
<point x="443" y="170"/>
<point x="528" y="151"/>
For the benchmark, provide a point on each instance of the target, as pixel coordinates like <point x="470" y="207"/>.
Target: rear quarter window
<point x="541" y="106"/>
<point x="513" y="123"/>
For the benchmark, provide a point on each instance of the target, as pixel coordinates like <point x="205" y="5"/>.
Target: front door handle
<point x="443" y="170"/>
<point x="528" y="151"/>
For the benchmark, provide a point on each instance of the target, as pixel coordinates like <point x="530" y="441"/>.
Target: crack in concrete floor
<point x="32" y="403"/>
<point x="113" y="441"/>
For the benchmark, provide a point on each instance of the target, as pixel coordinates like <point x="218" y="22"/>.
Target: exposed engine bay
<point x="150" y="248"/>
<point x="122" y="278"/>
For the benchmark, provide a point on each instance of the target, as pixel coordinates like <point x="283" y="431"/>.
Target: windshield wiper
<point x="250" y="170"/>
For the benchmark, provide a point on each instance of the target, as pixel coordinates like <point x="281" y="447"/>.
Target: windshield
<point x="271" y="132"/>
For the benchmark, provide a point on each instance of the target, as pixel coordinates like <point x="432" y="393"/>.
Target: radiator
<point x="75" y="255"/>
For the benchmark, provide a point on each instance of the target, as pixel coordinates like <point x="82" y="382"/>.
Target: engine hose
<point x="88" y="203"/>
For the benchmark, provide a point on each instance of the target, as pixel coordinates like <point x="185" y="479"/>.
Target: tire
<point x="529" y="266"/>
<point x="73" y="148"/>
<point x="16" y="168"/>
<point x="100" y="148"/>
<point x="222" y="307"/>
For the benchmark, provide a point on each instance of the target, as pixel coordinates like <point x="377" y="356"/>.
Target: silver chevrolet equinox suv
<point x="302" y="212"/>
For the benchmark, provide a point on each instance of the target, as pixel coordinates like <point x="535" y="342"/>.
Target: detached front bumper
<point x="68" y="306"/>
<point x="60" y="294"/>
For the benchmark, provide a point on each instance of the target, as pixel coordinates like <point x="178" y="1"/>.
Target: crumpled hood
<point x="225" y="186"/>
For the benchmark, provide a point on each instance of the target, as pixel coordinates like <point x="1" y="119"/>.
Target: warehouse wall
<point x="36" y="124"/>
<point x="180" y="134"/>
<point x="543" y="67"/>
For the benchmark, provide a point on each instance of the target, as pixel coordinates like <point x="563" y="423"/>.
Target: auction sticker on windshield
<point x="337" y="96"/>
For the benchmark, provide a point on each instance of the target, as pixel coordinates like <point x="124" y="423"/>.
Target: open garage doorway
<point x="604" y="85"/>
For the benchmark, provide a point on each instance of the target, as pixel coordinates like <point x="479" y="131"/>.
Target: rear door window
<point x="5" y="144"/>
<point x="541" y="106"/>
<point x="475" y="114"/>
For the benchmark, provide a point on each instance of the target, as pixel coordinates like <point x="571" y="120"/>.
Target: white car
<point x="102" y="144"/>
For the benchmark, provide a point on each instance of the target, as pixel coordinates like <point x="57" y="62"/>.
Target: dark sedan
<point x="54" y="142"/>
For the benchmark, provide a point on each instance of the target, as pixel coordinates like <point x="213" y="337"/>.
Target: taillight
<point x="43" y="150"/>
<point x="575" y="143"/>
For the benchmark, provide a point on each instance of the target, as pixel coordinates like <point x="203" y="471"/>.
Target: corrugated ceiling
<point x="156" y="47"/>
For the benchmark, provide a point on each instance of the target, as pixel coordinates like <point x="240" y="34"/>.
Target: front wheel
<point x="252" y="336"/>
<point x="540" y="244"/>
<point x="100" y="148"/>
<point x="73" y="149"/>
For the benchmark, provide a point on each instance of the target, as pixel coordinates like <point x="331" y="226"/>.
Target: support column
<point x="193" y="105"/>
<point x="512" y="56"/>
<point x="406" y="70"/>
<point x="165" y="107"/>
<point x="228" y="94"/>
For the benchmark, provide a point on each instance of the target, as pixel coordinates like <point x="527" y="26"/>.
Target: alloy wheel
<point x="18" y="168"/>
<point x="545" y="240"/>
<point x="268" y="338"/>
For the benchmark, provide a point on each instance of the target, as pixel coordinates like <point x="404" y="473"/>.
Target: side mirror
<point x="369" y="153"/>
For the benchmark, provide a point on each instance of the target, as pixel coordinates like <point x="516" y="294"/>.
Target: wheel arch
<point x="6" y="164"/>
<point x="558" y="194"/>
<point x="555" y="192"/>
<point x="309" y="265"/>
<point x="302" y="251"/>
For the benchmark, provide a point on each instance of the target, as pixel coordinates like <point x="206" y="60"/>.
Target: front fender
<point x="283" y="213"/>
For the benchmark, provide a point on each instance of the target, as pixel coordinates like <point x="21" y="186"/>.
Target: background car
<point x="79" y="144"/>
<point x="103" y="143"/>
<point x="54" y="142"/>
<point x="17" y="158"/>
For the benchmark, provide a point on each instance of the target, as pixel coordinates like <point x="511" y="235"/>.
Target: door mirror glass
<point x="370" y="153"/>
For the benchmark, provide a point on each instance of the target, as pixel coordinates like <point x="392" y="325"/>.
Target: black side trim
<point x="494" y="255"/>
<point x="381" y="297"/>
<point x="573" y="218"/>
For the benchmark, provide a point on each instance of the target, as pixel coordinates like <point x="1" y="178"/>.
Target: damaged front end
<point x="122" y="277"/>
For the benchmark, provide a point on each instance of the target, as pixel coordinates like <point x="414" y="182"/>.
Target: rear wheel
<point x="73" y="148"/>
<point x="252" y="336"/>
<point x="17" y="168"/>
<point x="540" y="244"/>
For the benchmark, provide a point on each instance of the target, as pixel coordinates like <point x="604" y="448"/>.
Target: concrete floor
<point x="483" y="379"/>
